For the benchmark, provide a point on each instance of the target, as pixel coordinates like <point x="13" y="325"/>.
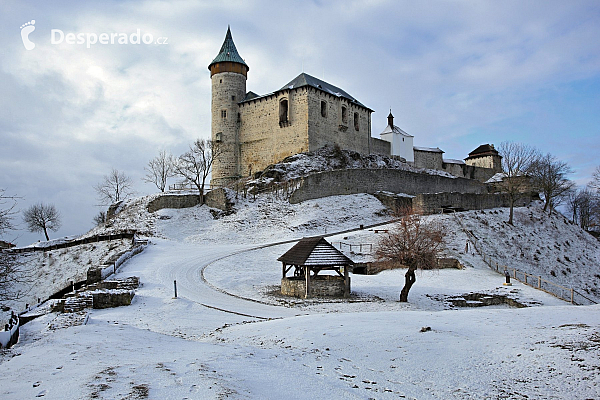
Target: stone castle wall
<point x="263" y="140"/>
<point x="333" y="129"/>
<point x="352" y="181"/>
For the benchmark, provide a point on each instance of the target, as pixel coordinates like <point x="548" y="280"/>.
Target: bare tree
<point x="100" y="218"/>
<point x="415" y="243"/>
<point x="550" y="177"/>
<point x="160" y="169"/>
<point x="595" y="183"/>
<point x="7" y="212"/>
<point x="13" y="275"/>
<point x="114" y="187"/>
<point x="195" y="164"/>
<point x="41" y="218"/>
<point x="584" y="207"/>
<point x="517" y="161"/>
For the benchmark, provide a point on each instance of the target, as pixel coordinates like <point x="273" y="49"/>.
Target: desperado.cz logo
<point x="57" y="36"/>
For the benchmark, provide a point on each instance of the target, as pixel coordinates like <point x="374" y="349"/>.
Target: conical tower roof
<point x="228" y="52"/>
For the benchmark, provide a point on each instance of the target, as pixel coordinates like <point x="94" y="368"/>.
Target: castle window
<point x="232" y="98"/>
<point x="220" y="80"/>
<point x="219" y="137"/>
<point x="344" y="115"/>
<point x="223" y="114"/>
<point x="283" y="111"/>
<point x="324" y="109"/>
<point x="356" y="121"/>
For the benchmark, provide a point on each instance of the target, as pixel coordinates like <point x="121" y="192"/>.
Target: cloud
<point x="456" y="74"/>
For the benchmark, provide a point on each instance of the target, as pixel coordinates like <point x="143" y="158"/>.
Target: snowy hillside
<point x="228" y="334"/>
<point x="539" y="244"/>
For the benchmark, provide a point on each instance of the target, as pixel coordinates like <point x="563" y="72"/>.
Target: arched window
<point x="283" y="112"/>
<point x="344" y="115"/>
<point x="324" y="109"/>
<point x="356" y="121"/>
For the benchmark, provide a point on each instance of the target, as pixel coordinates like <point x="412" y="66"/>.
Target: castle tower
<point x="228" y="73"/>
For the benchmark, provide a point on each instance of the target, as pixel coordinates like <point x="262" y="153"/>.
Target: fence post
<point x="539" y="282"/>
<point x="175" y="287"/>
<point x="572" y="296"/>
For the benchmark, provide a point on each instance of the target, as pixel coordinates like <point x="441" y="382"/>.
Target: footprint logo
<point x="26" y="29"/>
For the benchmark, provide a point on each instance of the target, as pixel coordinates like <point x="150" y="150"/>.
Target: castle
<point x="304" y="115"/>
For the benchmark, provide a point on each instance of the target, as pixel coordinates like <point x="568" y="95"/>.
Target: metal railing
<point x="535" y="281"/>
<point x="363" y="248"/>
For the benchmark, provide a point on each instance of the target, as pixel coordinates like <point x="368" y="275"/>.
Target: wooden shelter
<point x="309" y="257"/>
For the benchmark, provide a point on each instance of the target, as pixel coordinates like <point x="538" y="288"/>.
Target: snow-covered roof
<point x="496" y="178"/>
<point x="429" y="149"/>
<point x="394" y="129"/>
<point x="453" y="161"/>
<point x="314" y="251"/>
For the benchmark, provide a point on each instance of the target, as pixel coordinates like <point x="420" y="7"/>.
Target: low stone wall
<point x="320" y="286"/>
<point x="216" y="198"/>
<point x="430" y="203"/>
<point x="353" y="181"/>
<point x="395" y="202"/>
<point x="173" y="201"/>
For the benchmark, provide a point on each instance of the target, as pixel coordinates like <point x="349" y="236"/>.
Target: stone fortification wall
<point x="379" y="146"/>
<point x="352" y="181"/>
<point x="263" y="140"/>
<point x="469" y="171"/>
<point x="431" y="203"/>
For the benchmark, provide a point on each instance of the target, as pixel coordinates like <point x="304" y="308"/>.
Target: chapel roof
<point x="314" y="251"/>
<point x="395" y="129"/>
<point x="228" y="52"/>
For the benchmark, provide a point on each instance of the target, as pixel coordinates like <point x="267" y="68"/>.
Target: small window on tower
<point x="283" y="112"/>
<point x="223" y="114"/>
<point x="324" y="109"/>
<point x="344" y="115"/>
<point x="356" y="121"/>
<point x="219" y="137"/>
<point x="232" y="98"/>
<point x="220" y="80"/>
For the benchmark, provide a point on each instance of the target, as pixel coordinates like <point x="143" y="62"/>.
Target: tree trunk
<point x="409" y="280"/>
<point x="512" y="206"/>
<point x="46" y="233"/>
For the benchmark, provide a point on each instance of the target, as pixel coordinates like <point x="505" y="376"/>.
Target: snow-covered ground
<point x="228" y="335"/>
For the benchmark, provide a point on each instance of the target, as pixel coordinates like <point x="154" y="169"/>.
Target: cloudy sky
<point x="456" y="74"/>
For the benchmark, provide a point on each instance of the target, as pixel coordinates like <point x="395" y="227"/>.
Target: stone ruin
<point x="104" y="294"/>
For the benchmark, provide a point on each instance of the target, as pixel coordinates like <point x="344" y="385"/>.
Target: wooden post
<point x="283" y="270"/>
<point x="572" y="296"/>
<point x="175" y="287"/>
<point x="539" y="282"/>
<point x="307" y="276"/>
<point x="346" y="283"/>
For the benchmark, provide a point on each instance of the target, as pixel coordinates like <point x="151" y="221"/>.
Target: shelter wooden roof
<point x="314" y="251"/>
